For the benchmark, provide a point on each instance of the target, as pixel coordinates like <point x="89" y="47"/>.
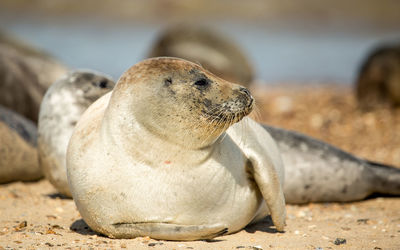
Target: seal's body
<point x="63" y="104"/>
<point x="316" y="171"/>
<point x="130" y="177"/>
<point x="378" y="81"/>
<point x="25" y="75"/>
<point x="154" y="157"/>
<point x="211" y="49"/>
<point x="18" y="155"/>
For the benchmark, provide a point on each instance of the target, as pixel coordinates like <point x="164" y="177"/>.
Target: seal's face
<point x="184" y="103"/>
<point x="205" y="98"/>
<point x="93" y="85"/>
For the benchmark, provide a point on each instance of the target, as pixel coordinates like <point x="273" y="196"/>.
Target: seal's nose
<point x="244" y="90"/>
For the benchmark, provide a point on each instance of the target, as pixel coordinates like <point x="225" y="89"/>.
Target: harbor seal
<point x="25" y="75"/>
<point x="211" y="49"/>
<point x="18" y="154"/>
<point x="316" y="171"/>
<point x="378" y="81"/>
<point x="166" y="154"/>
<point x="63" y="104"/>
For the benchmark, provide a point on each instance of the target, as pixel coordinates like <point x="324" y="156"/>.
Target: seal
<point x="213" y="50"/>
<point x="166" y="154"/>
<point x="25" y="75"/>
<point x="63" y="104"/>
<point x="18" y="153"/>
<point x="316" y="171"/>
<point x="378" y="80"/>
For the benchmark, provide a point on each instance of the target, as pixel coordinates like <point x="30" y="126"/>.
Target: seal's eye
<point x="202" y="82"/>
<point x="102" y="84"/>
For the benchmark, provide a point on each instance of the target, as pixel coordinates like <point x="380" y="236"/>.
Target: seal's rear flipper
<point x="166" y="231"/>
<point x="385" y="179"/>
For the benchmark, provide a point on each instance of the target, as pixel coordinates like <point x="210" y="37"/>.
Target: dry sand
<point x="33" y="216"/>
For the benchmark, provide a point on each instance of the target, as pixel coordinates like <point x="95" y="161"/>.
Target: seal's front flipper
<point x="167" y="231"/>
<point x="265" y="164"/>
<point x="268" y="182"/>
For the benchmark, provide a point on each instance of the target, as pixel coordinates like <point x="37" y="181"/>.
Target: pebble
<point x="21" y="226"/>
<point x="340" y="241"/>
<point x="363" y="221"/>
<point x="59" y="209"/>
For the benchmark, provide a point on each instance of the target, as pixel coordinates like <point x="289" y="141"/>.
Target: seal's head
<point x="180" y="101"/>
<point x="216" y="52"/>
<point x="90" y="84"/>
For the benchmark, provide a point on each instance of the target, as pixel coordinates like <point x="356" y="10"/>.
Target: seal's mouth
<point x="222" y="114"/>
<point x="230" y="111"/>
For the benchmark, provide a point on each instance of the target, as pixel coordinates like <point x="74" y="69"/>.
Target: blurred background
<point x="304" y="41"/>
<point x="306" y="54"/>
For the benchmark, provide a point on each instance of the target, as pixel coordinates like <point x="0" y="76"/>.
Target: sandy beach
<point x="34" y="216"/>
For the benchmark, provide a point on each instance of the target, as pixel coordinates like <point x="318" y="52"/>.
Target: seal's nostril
<point x="244" y="90"/>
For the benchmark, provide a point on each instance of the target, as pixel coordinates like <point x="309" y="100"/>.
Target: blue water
<point x="278" y="55"/>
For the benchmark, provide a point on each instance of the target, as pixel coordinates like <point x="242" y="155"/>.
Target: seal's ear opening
<point x="168" y="81"/>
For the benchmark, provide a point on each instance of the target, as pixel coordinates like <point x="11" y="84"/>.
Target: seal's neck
<point x="122" y="130"/>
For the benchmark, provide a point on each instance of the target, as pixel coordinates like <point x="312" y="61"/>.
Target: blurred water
<point x="279" y="55"/>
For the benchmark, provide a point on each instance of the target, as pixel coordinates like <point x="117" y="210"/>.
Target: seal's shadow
<point x="80" y="227"/>
<point x="265" y="225"/>
<point x="58" y="196"/>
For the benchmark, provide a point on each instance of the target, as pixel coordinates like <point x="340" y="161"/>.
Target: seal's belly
<point x="189" y="197"/>
<point x="217" y="191"/>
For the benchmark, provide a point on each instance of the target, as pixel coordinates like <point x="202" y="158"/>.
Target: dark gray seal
<point x="25" y="75"/>
<point x="18" y="148"/>
<point x="378" y="81"/>
<point x="316" y="171"/>
<point x="213" y="50"/>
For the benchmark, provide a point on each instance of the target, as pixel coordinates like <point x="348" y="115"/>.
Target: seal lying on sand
<point x="25" y="75"/>
<point x="213" y="51"/>
<point x="318" y="172"/>
<point x="162" y="156"/>
<point x="18" y="155"/>
<point x="63" y="104"/>
<point x="379" y="78"/>
<point x="315" y="171"/>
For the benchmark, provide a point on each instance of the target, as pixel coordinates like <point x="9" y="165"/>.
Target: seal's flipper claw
<point x="167" y="231"/>
<point x="220" y="233"/>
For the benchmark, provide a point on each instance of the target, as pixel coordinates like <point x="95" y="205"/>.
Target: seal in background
<point x="63" y="104"/>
